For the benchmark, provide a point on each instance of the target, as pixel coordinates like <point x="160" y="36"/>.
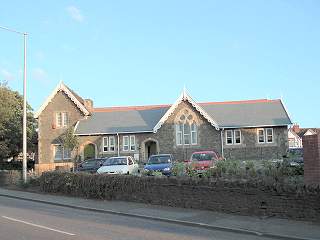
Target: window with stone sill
<point x="62" y="119"/>
<point x="61" y="153"/>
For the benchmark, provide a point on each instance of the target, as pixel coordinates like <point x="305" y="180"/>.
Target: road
<point x="26" y="220"/>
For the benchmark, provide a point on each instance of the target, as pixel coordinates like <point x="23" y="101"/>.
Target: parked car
<point x="161" y="163"/>
<point x="90" y="165"/>
<point x="119" y="165"/>
<point x="204" y="160"/>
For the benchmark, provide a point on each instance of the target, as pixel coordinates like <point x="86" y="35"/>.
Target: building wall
<point x="250" y="149"/>
<point x="48" y="133"/>
<point x="208" y="139"/>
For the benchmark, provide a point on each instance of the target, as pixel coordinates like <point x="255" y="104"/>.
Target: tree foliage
<point x="69" y="140"/>
<point x="11" y="115"/>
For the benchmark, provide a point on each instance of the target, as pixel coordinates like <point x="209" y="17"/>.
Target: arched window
<point x="186" y="130"/>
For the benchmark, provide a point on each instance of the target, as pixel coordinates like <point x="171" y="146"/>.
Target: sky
<point x="121" y="53"/>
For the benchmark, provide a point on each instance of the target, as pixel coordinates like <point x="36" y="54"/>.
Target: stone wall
<point x="254" y="198"/>
<point x="311" y="156"/>
<point x="250" y="149"/>
<point x="48" y="133"/>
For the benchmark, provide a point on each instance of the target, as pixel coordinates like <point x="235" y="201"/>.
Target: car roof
<point x="202" y="152"/>
<point x="164" y="154"/>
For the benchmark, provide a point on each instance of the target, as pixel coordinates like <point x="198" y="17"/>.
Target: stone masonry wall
<point x="47" y="133"/>
<point x="210" y="194"/>
<point x="250" y="149"/>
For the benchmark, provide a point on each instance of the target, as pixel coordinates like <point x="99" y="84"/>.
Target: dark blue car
<point x="160" y="163"/>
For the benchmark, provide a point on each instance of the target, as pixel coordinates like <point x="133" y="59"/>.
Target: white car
<point x="119" y="165"/>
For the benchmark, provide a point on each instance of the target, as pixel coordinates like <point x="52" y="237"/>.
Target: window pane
<point x="261" y="135"/>
<point x="269" y="135"/>
<point x="229" y="137"/>
<point x="194" y="133"/>
<point x="179" y="134"/>
<point x="105" y="144"/>
<point x="65" y="119"/>
<point x="66" y="153"/>
<point x="125" y="143"/>
<point x="186" y="134"/>
<point x="58" y="152"/>
<point x="111" y="144"/>
<point x="59" y="119"/>
<point x="237" y="136"/>
<point x="132" y="143"/>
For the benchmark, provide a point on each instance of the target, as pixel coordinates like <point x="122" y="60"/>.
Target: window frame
<point x="230" y="131"/>
<point x="105" y="145"/>
<point x="179" y="132"/>
<point x="125" y="145"/>
<point x="132" y="143"/>
<point x="272" y="135"/>
<point x="188" y="134"/>
<point x="234" y="136"/>
<point x="63" y="149"/>
<point x="64" y="119"/>
<point x="194" y="132"/>
<point x="264" y="135"/>
<point x="113" y="145"/>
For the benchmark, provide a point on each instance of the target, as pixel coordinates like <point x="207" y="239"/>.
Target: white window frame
<point x="179" y="140"/>
<point x="64" y="119"/>
<point x="125" y="145"/>
<point x="230" y="131"/>
<point x="186" y="134"/>
<point x="59" y="114"/>
<point x="104" y="145"/>
<point x="194" y="132"/>
<point x="234" y="135"/>
<point x="132" y="143"/>
<point x="266" y="133"/>
<point x="63" y="150"/>
<point x="112" y="145"/>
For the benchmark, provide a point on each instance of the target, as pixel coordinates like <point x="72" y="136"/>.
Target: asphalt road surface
<point x="27" y="220"/>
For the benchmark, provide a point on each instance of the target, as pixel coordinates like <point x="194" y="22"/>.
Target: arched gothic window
<point x="186" y="130"/>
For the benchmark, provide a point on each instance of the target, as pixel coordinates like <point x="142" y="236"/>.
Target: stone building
<point x="253" y="129"/>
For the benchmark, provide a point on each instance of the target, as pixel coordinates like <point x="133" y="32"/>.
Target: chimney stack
<point x="296" y="128"/>
<point x="88" y="103"/>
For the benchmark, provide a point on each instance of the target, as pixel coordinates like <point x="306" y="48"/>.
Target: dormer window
<point x="62" y="119"/>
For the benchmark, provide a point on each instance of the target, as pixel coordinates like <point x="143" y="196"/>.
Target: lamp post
<point x="24" y="138"/>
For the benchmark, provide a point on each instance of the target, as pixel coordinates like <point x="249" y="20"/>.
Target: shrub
<point x="179" y="169"/>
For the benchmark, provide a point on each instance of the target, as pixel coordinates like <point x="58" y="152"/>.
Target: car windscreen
<point x="115" y="161"/>
<point x="89" y="163"/>
<point x="159" y="159"/>
<point x="202" y="156"/>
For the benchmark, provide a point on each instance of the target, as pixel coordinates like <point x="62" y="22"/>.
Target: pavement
<point x="245" y="226"/>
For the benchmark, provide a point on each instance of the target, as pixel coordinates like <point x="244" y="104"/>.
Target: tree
<point x="11" y="114"/>
<point x="70" y="141"/>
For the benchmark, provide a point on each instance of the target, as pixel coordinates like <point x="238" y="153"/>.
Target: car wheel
<point x="128" y="173"/>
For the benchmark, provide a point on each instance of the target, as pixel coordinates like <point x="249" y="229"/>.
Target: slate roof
<point x="252" y="113"/>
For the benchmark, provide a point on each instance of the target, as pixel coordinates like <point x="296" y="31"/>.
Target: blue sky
<point x="144" y="52"/>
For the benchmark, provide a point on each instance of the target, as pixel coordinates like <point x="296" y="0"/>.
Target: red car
<point x="202" y="161"/>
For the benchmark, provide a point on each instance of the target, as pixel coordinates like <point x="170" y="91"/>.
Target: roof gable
<point x="77" y="100"/>
<point x="185" y="97"/>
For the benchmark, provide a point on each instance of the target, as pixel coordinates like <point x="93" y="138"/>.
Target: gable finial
<point x="184" y="92"/>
